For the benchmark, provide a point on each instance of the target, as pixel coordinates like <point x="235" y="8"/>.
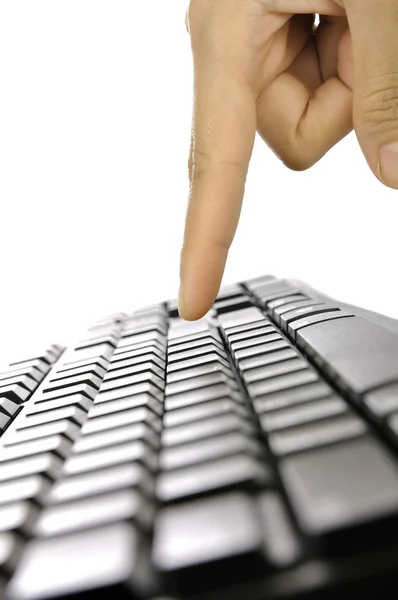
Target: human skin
<point x="259" y="65"/>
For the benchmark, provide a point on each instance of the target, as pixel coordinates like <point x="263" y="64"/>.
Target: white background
<point x="95" y="111"/>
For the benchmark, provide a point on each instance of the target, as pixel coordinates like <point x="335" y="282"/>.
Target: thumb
<point x="374" y="33"/>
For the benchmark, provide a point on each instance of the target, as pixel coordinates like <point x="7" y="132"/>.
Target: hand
<point x="259" y="65"/>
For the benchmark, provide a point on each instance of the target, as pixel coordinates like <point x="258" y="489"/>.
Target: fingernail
<point x="181" y="304"/>
<point x="389" y="165"/>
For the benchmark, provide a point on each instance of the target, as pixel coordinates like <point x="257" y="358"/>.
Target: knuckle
<point x="380" y="104"/>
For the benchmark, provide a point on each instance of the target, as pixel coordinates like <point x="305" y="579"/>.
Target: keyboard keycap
<point x="191" y="397"/>
<point x="242" y="471"/>
<point x="46" y="464"/>
<point x="200" y="451"/>
<point x="71" y="413"/>
<point x="135" y="370"/>
<point x="5" y="420"/>
<point x="270" y="358"/>
<point x="340" y="487"/>
<point x="114" y="406"/>
<point x="197" y="430"/>
<point x="10" y="550"/>
<point x="82" y="389"/>
<point x="18" y="516"/>
<point x="146" y="387"/>
<point x="383" y="401"/>
<point x="285" y="382"/>
<point x="320" y="433"/>
<point x="125" y="417"/>
<point x="114" y="478"/>
<point x="116" y="455"/>
<point x="297" y="395"/>
<point x="212" y="358"/>
<point x="111" y="557"/>
<point x="112" y="437"/>
<point x="16" y="393"/>
<point x="361" y="354"/>
<point x="305" y="413"/>
<point x="60" y="384"/>
<point x="191" y="537"/>
<point x="46" y="406"/>
<point x="197" y="412"/>
<point x="274" y="370"/>
<point x="281" y="541"/>
<point x="194" y="383"/>
<point x="95" y="511"/>
<point x="24" y="381"/>
<point x="66" y="428"/>
<point x="269" y="347"/>
<point x="32" y="487"/>
<point x="56" y="444"/>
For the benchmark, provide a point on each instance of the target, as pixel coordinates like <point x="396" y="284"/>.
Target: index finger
<point x="223" y="133"/>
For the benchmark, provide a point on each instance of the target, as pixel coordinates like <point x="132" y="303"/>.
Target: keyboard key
<point x="136" y="363"/>
<point x="27" y="365"/>
<point x="83" y="389"/>
<point x="294" y="327"/>
<point x="197" y="412"/>
<point x="135" y="370"/>
<point x="18" y="516"/>
<point x="66" y="428"/>
<point x="274" y="304"/>
<point x="212" y="358"/>
<point x="15" y="392"/>
<point x="247" y="328"/>
<point x="87" y="362"/>
<point x="88" y="378"/>
<point x="114" y="478"/>
<point x="76" y="399"/>
<point x="383" y="401"/>
<point x="31" y="372"/>
<point x="10" y="550"/>
<point x="5" y="420"/>
<point x="281" y="542"/>
<point x="146" y="387"/>
<point x="85" y="370"/>
<point x="330" y="494"/>
<point x="250" y="334"/>
<point x="361" y="354"/>
<point x="242" y="471"/>
<point x="116" y="455"/>
<point x="304" y="413"/>
<point x="55" y="444"/>
<point x="205" y="369"/>
<point x="206" y="428"/>
<point x="111" y="557"/>
<point x="285" y="382"/>
<point x="125" y="417"/>
<point x="328" y="431"/>
<point x="240" y="317"/>
<point x="200" y="343"/>
<point x="191" y="453"/>
<point x="133" y="380"/>
<point x="46" y="464"/>
<point x="116" y="506"/>
<point x="8" y="407"/>
<point x="191" y="397"/>
<point x="272" y="336"/>
<point x="262" y="360"/>
<point x="126" y="354"/>
<point x="297" y="395"/>
<point x="24" y="381"/>
<point x="193" y="536"/>
<point x="269" y="347"/>
<point x="195" y="352"/>
<point x="112" y="437"/>
<point x="303" y="311"/>
<point x="27" y="488"/>
<point x="274" y="370"/>
<point x="232" y="304"/>
<point x="113" y="406"/>
<point x="186" y="385"/>
<point x="72" y="413"/>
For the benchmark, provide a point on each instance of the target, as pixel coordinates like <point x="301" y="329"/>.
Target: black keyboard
<point x="251" y="455"/>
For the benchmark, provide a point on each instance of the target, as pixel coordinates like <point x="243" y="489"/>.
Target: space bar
<point x="358" y="353"/>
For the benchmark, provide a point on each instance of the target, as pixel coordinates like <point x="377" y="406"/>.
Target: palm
<point x="290" y="67"/>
